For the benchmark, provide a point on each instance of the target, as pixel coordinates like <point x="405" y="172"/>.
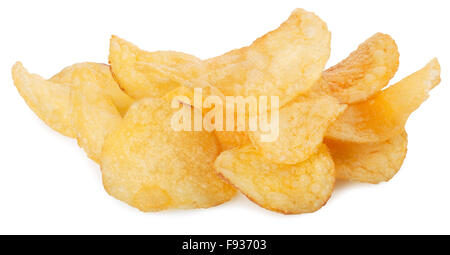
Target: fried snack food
<point x="232" y="139"/>
<point x="155" y="82"/>
<point x="285" y="62"/>
<point x="365" y="71"/>
<point x="94" y="115"/>
<point x="49" y="100"/>
<point x="385" y="115"/>
<point x="97" y="103"/>
<point x="148" y="165"/>
<point x="369" y="162"/>
<point x="289" y="189"/>
<point x="101" y="75"/>
<point x="302" y="127"/>
<point x="160" y="123"/>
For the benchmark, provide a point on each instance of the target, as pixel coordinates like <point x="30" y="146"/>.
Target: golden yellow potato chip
<point x="186" y="95"/>
<point x="49" y="100"/>
<point x="148" y="165"/>
<point x="365" y="71"/>
<point x="303" y="123"/>
<point x="155" y="82"/>
<point x="369" y="162"/>
<point x="385" y="115"/>
<point x="290" y="189"/>
<point x="285" y="62"/>
<point x="101" y="75"/>
<point x="231" y="139"/>
<point x="94" y="115"/>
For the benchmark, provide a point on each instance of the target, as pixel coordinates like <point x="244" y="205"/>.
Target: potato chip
<point x="285" y="62"/>
<point x="97" y="103"/>
<point x="289" y="189"/>
<point x="186" y="96"/>
<point x="101" y="75"/>
<point x="148" y="165"/>
<point x="94" y="115"/>
<point x="365" y="71"/>
<point x="265" y="119"/>
<point x="182" y="94"/>
<point x="385" y="115"/>
<point x="155" y="82"/>
<point x="49" y="100"/>
<point x="369" y="162"/>
<point x="231" y="139"/>
<point x="302" y="126"/>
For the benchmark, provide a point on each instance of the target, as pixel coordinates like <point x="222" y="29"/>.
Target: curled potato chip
<point x="290" y="189"/>
<point x="365" y="71"/>
<point x="49" y="100"/>
<point x="231" y="139"/>
<point x="97" y="73"/>
<point x="148" y="165"/>
<point x="97" y="103"/>
<point x="369" y="162"/>
<point x="302" y="126"/>
<point x="94" y="115"/>
<point x="153" y="82"/>
<point x="385" y="115"/>
<point x="183" y="94"/>
<point x="284" y="62"/>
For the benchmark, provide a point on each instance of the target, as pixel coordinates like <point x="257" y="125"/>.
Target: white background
<point x="48" y="185"/>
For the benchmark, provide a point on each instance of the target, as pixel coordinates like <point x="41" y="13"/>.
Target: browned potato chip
<point x="154" y="82"/>
<point x="369" y="162"/>
<point x="289" y="189"/>
<point x="49" y="100"/>
<point x="365" y="71"/>
<point x="302" y="126"/>
<point x="285" y="62"/>
<point x="148" y="165"/>
<point x="101" y="75"/>
<point x="385" y="115"/>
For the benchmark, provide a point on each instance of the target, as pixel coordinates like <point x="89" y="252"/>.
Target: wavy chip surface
<point x="148" y="165"/>
<point x="302" y="127"/>
<point x="385" y="115"/>
<point x="365" y="71"/>
<point x="232" y="139"/>
<point x="151" y="82"/>
<point x="94" y="115"/>
<point x="369" y="162"/>
<point x="97" y="73"/>
<point x="284" y="62"/>
<point x="49" y="100"/>
<point x="289" y="189"/>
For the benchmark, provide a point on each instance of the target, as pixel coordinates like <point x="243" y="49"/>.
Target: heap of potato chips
<point x="334" y="123"/>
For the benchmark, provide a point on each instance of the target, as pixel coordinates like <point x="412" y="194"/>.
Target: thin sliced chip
<point x="101" y="75"/>
<point x="302" y="126"/>
<point x="183" y="94"/>
<point x="94" y="115"/>
<point x="285" y="62"/>
<point x="289" y="189"/>
<point x="49" y="100"/>
<point x="232" y="139"/>
<point x="385" y="115"/>
<point x="365" y="71"/>
<point x="188" y="96"/>
<point x="155" y="82"/>
<point x="369" y="162"/>
<point x="148" y="165"/>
